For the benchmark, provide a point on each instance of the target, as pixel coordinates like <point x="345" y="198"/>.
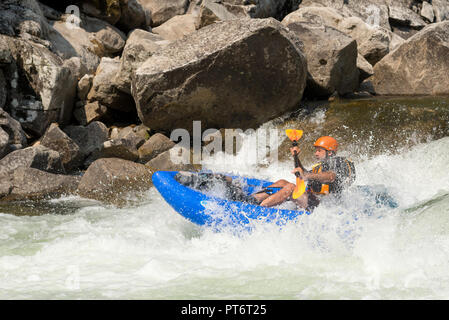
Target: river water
<point x="74" y="248"/>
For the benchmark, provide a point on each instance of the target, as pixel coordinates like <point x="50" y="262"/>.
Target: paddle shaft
<point x="297" y="161"/>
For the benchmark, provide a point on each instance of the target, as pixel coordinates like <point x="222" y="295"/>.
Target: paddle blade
<point x="300" y="188"/>
<point x="294" y="135"/>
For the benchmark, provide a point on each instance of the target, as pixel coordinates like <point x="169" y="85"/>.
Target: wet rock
<point x="56" y="139"/>
<point x="163" y="10"/>
<point x="104" y="89"/>
<point x="174" y="159"/>
<point x="154" y="146"/>
<point x="110" y="179"/>
<point x="176" y="27"/>
<point x="38" y="157"/>
<point x="215" y="75"/>
<point x="124" y="148"/>
<point x="426" y="54"/>
<point x="26" y="183"/>
<point x="331" y="60"/>
<point x="140" y="45"/>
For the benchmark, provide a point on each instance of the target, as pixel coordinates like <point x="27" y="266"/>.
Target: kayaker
<point x="329" y="176"/>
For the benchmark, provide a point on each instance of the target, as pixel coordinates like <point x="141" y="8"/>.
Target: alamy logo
<point x="253" y="146"/>
<point x="73" y="20"/>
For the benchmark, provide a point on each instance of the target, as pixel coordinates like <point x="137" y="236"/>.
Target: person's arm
<point x="323" y="177"/>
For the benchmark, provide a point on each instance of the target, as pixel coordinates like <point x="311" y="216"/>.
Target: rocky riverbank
<point x="91" y="90"/>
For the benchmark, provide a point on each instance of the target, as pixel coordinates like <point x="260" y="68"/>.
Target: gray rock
<point x="176" y="27"/>
<point x="84" y="85"/>
<point x="89" y="112"/>
<point x="165" y="161"/>
<point x="373" y="42"/>
<point x="120" y="148"/>
<point x="38" y="157"/>
<point x="89" y="138"/>
<point x="16" y="136"/>
<point x="18" y="17"/>
<point x="424" y="54"/>
<point x="427" y="11"/>
<point x="215" y="75"/>
<point x="91" y="41"/>
<point x="210" y="12"/>
<point x="331" y="60"/>
<point x="133" y="16"/>
<point x="163" y="10"/>
<point x="112" y="179"/>
<point x="56" y="139"/>
<point x="365" y="68"/>
<point x="154" y="146"/>
<point x="406" y="17"/>
<point x="441" y="10"/>
<point x="372" y="12"/>
<point x="46" y="75"/>
<point x="105" y="90"/>
<point x="140" y="45"/>
<point x="32" y="184"/>
<point x="3" y="90"/>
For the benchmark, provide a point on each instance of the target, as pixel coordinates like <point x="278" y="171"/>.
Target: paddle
<point x="294" y="136"/>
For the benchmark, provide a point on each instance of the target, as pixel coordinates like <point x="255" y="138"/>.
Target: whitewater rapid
<point x="148" y="251"/>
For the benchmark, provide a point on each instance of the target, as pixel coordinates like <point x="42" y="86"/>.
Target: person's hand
<point x="293" y="149"/>
<point x="301" y="172"/>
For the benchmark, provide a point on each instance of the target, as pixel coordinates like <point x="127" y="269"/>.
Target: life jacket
<point x="345" y="175"/>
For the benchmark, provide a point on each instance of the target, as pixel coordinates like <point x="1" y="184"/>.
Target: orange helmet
<point x="328" y="143"/>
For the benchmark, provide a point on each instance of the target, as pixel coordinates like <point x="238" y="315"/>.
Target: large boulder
<point x="373" y="42"/>
<point x="420" y="66"/>
<point x="140" y="45"/>
<point x="234" y="73"/>
<point x="373" y="12"/>
<point x="154" y="146"/>
<point x="42" y="88"/>
<point x="331" y="60"/>
<point x="111" y="179"/>
<point x="38" y="157"/>
<point x="89" y="138"/>
<point x="56" y="139"/>
<point x="19" y="17"/>
<point x="26" y="183"/>
<point x="106" y="91"/>
<point x="90" y="41"/>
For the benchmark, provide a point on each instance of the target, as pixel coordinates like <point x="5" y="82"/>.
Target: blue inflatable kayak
<point x="207" y="210"/>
